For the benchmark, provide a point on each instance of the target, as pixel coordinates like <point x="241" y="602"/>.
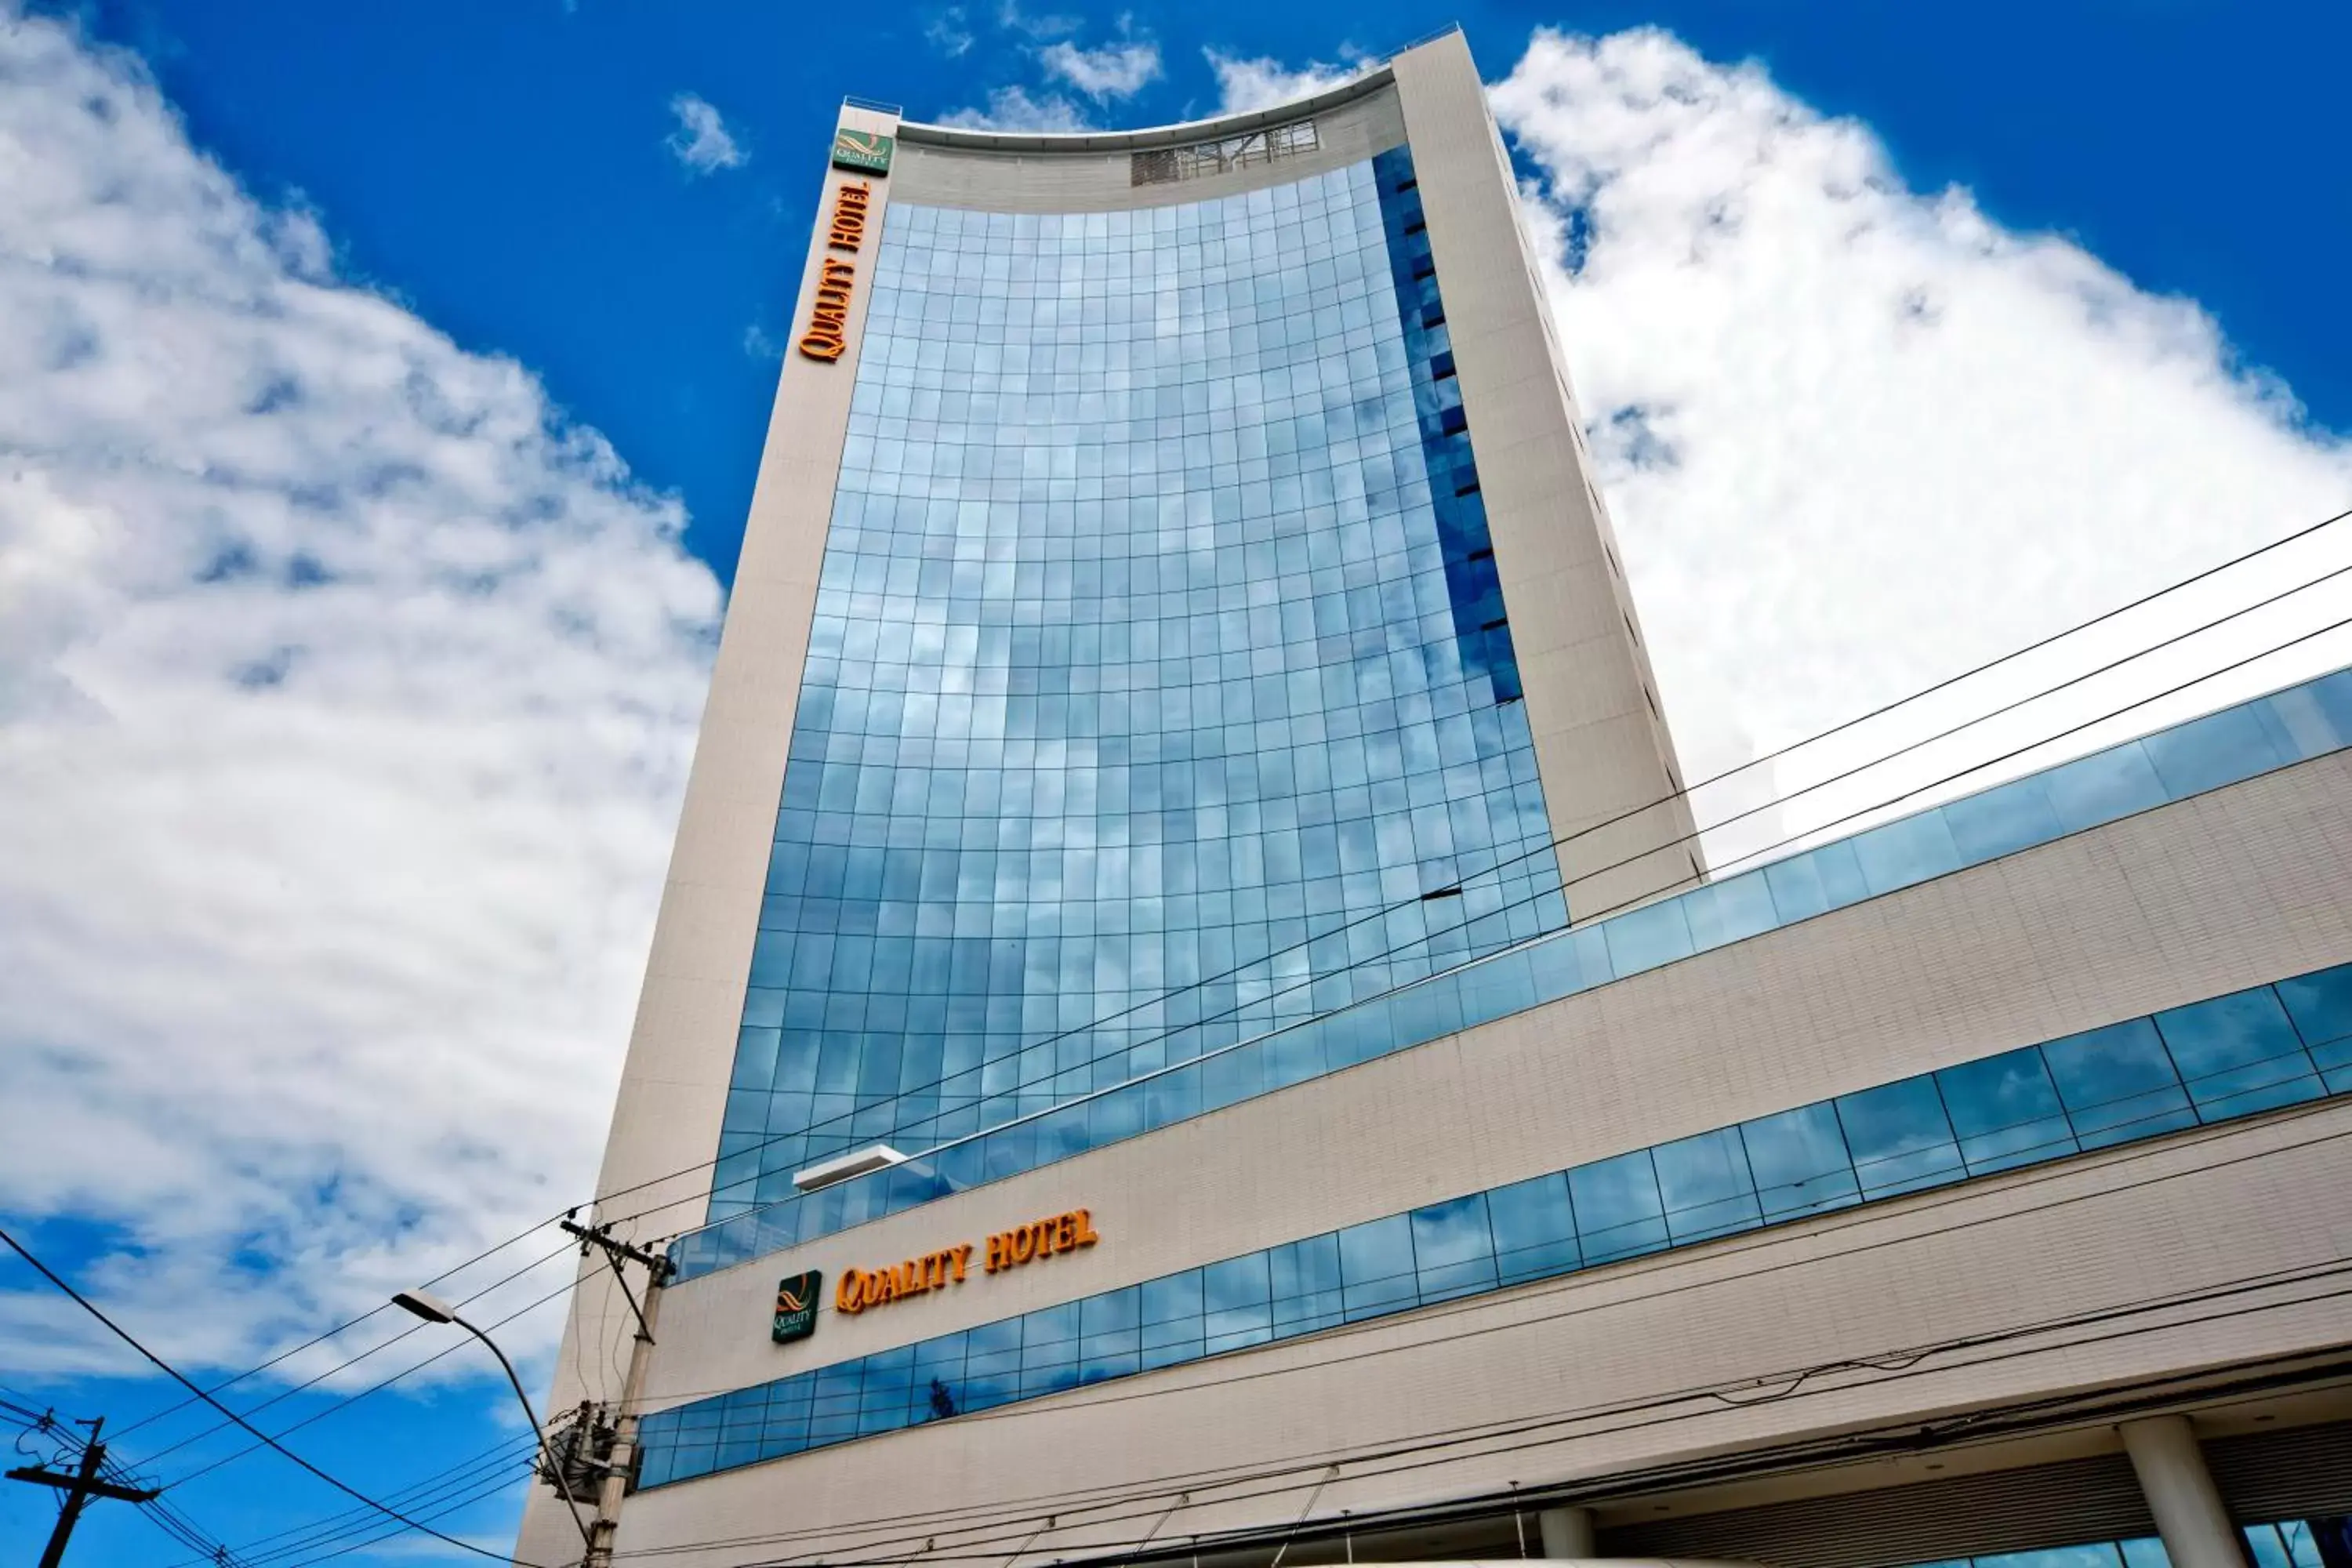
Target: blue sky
<point x="503" y="168"/>
<point x="376" y="465"/>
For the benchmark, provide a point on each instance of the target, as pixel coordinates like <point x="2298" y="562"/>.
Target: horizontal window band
<point x="2204" y="1064"/>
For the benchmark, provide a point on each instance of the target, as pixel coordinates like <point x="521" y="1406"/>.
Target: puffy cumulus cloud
<point x="1114" y="70"/>
<point x="702" y="141"/>
<point x="346" y="694"/>
<point x="1858" y="438"/>
<point x="1247" y="83"/>
<point x="1017" y="108"/>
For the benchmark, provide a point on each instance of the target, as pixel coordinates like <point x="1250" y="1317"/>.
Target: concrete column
<point x="2180" y="1493"/>
<point x="1568" y="1533"/>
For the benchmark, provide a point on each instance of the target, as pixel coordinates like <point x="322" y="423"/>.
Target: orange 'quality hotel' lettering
<point x="828" y="332"/>
<point x="863" y="1287"/>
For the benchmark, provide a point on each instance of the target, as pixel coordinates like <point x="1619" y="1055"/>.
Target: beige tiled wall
<point x="1602" y="746"/>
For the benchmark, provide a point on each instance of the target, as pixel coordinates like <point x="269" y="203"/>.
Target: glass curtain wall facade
<point x="1159" y="672"/>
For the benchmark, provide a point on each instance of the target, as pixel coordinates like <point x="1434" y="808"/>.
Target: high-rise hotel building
<point x="1185" y="1023"/>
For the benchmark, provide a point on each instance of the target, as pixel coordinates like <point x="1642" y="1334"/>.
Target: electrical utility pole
<point x="623" y="1460"/>
<point x="79" y="1487"/>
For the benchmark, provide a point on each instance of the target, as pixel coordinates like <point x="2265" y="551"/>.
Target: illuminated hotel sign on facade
<point x="827" y="337"/>
<point x="863" y="1287"/>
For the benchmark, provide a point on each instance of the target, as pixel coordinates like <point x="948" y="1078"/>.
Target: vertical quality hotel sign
<point x="828" y="329"/>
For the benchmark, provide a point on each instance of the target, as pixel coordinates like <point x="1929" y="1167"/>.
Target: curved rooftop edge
<point x="1183" y="134"/>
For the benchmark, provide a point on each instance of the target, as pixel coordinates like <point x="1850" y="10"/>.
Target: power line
<point x="168" y="1370"/>
<point x="349" y="1399"/>
<point x="360" y="1530"/>
<point x="1782" y="843"/>
<point x="1782" y="751"/>
<point x="1635" y="812"/>
<point x="1827" y="1225"/>
<point x="346" y="1365"/>
<point x="1893" y="1364"/>
<point x="322" y="1337"/>
<point x="2183" y="686"/>
<point x="416" y="1495"/>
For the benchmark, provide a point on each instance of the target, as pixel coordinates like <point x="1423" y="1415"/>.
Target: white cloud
<point x="759" y="344"/>
<point x="1017" y="108"/>
<point x="1858" y="438"/>
<point x="948" y="32"/>
<point x="701" y="141"/>
<point x="1261" y="83"/>
<point x="1035" y="23"/>
<point x="346" y="693"/>
<point x="1114" y="70"/>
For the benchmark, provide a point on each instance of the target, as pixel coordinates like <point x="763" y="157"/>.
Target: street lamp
<point x="435" y="1310"/>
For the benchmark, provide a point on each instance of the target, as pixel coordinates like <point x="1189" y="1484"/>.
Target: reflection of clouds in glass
<point x="1158" y="633"/>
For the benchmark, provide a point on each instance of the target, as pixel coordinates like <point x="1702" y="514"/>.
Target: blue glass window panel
<point x="1903" y="853"/>
<point x="1497" y="988"/>
<point x="1232" y="1077"/>
<point x="1169" y="1343"/>
<point x="1646" y="938"/>
<point x="2103" y="787"/>
<point x="1567" y="964"/>
<point x="1800" y="1162"/>
<point x="1108" y="1335"/>
<point x="1375" y="1267"/>
<point x="1816" y="882"/>
<point x="2238" y="1054"/>
<point x="1294" y="1056"/>
<point x="2316" y="717"/>
<point x="2002" y="821"/>
<point x="1236" y="1302"/>
<point x="2006" y="1110"/>
<point x="1307" y="1282"/>
<point x="1424" y="1013"/>
<point x="2206" y="753"/>
<point x="2265" y="1547"/>
<point x="2321" y="1006"/>
<point x="2099" y="1554"/>
<point x="1048" y="1332"/>
<point x="1172" y="1297"/>
<point x="755" y="1057"/>
<point x="2118" y="1084"/>
<point x="1705" y="1184"/>
<point x="1454" y="1248"/>
<point x="1730" y="910"/>
<point x="1618" y="1210"/>
<point x="1534" y="1230"/>
<point x="1116" y="1115"/>
<point x="1900" y="1137"/>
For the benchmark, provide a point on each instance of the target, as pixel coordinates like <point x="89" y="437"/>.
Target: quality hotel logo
<point x="796" y="1300"/>
<point x="861" y="1288"/>
<point x="863" y="152"/>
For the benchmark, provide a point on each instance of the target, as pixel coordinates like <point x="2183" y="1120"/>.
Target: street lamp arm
<point x="554" y="1464"/>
